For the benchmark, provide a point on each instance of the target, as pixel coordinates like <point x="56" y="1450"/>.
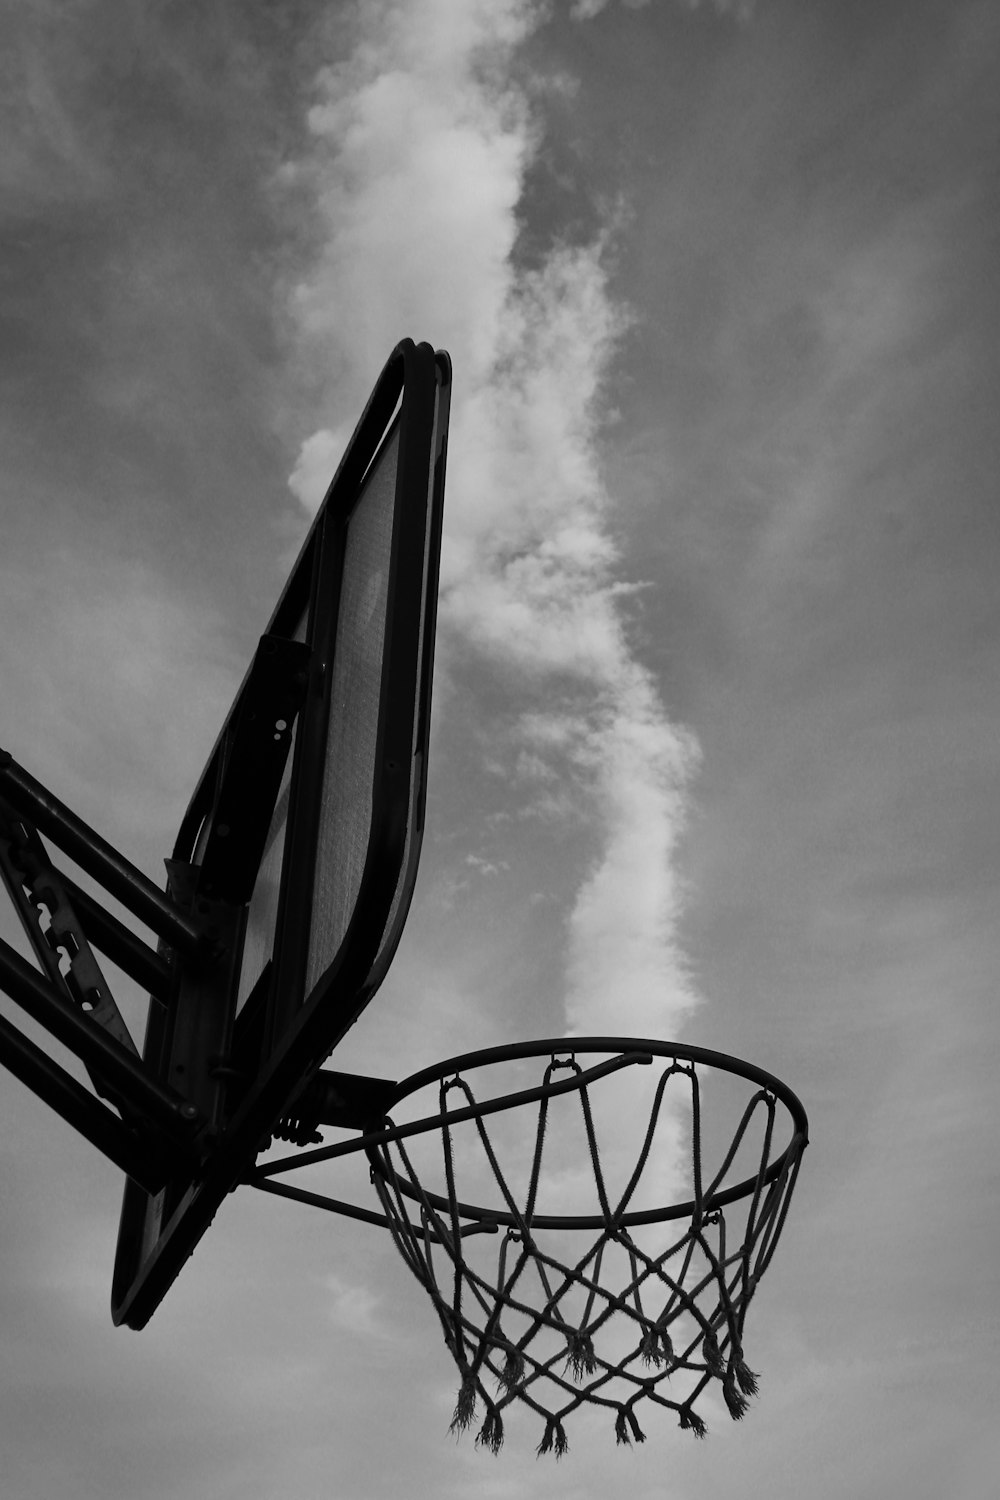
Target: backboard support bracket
<point x="290" y="877"/>
<point x="172" y="1097"/>
<point x="40" y="895"/>
<point x="112" y="871"/>
<point x="154" y="1117"/>
<point x="153" y="1130"/>
<point x="347" y="1101"/>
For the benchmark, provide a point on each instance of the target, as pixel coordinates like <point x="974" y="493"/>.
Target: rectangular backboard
<point x="299" y="847"/>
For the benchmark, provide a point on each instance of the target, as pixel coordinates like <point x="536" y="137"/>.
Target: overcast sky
<point x="716" y="711"/>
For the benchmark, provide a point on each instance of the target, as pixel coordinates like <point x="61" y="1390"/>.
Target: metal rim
<point x="786" y="1162"/>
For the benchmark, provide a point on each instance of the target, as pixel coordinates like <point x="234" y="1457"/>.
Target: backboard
<point x="299" y="848"/>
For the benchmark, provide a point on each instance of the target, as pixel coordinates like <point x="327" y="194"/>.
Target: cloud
<point x="353" y="1307"/>
<point x="422" y="139"/>
<point x="586" y="10"/>
<point x="419" y="151"/>
<point x="46" y="156"/>
<point x="317" y="461"/>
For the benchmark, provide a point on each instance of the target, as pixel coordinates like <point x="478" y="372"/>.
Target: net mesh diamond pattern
<point x="622" y="1307"/>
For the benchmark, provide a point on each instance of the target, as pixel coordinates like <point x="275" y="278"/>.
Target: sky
<point x="715" y="708"/>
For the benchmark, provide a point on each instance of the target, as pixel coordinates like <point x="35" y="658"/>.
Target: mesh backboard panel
<point x="346" y="801"/>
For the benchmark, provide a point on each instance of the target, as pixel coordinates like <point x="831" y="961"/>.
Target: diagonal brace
<point x="119" y="1069"/>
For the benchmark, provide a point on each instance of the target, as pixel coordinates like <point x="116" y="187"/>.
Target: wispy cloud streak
<point x="422" y="139"/>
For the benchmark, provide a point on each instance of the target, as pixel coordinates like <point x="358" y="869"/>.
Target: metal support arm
<point x="78" y="1107"/>
<point x="95" y="855"/>
<point x="117" y="942"/>
<point x="122" y="1071"/>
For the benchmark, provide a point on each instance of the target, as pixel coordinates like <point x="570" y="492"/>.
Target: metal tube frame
<point x="117" y="942"/>
<point x="79" y="1108"/>
<point x="118" y="876"/>
<point x="352" y="1211"/>
<point x="121" y="1070"/>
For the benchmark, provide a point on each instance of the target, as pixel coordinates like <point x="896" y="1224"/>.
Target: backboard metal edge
<point x="318" y="1025"/>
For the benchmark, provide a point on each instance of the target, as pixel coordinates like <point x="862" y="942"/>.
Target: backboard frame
<point x="255" y="1063"/>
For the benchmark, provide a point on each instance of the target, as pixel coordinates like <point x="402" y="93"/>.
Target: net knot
<point x="512" y="1373"/>
<point x="465" y="1406"/>
<point x="713" y="1358"/>
<point x="553" y="1439"/>
<point x="691" y="1422"/>
<point x="625" y="1420"/>
<point x="737" y="1403"/>
<point x="491" y="1433"/>
<point x="657" y="1347"/>
<point x="580" y="1358"/>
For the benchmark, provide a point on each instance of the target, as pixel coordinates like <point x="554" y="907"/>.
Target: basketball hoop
<point x="615" y="1307"/>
